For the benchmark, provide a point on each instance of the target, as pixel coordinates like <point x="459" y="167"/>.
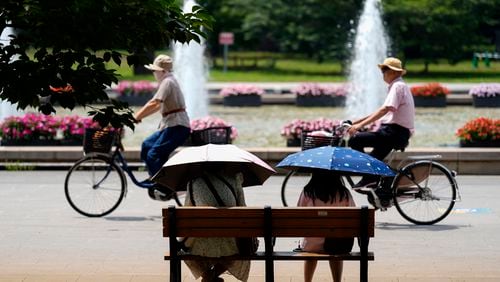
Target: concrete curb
<point x="289" y="99"/>
<point x="475" y="161"/>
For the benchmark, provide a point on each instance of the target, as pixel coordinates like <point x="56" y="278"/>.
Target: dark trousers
<point x="158" y="146"/>
<point x="386" y="138"/>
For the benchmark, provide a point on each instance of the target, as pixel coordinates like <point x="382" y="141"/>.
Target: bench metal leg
<point x="363" y="275"/>
<point x="363" y="267"/>
<point x="175" y="270"/>
<point x="175" y="263"/>
<point x="268" y="242"/>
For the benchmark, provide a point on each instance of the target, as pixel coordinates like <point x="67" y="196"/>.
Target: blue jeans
<point x="157" y="148"/>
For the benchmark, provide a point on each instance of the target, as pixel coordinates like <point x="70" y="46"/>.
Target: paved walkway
<point x="43" y="239"/>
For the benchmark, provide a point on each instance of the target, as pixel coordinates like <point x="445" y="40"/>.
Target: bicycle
<point x="423" y="190"/>
<point x="96" y="184"/>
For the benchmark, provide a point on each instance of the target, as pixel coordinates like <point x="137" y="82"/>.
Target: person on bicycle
<point x="174" y="127"/>
<point x="397" y="116"/>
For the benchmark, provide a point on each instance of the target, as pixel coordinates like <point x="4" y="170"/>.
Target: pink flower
<point x="316" y="89"/>
<point x="37" y="126"/>
<point x="210" y="121"/>
<point x="295" y="128"/>
<point x="135" y="88"/>
<point x="485" y="90"/>
<point x="241" y="89"/>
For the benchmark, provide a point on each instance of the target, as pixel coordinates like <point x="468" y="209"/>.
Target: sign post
<point x="226" y="39"/>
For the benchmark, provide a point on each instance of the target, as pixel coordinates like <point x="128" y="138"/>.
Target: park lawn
<point x="301" y="69"/>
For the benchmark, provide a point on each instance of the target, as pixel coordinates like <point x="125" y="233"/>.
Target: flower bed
<point x="135" y="93"/>
<point x="211" y="122"/>
<point x="317" y="95"/>
<point x="38" y="129"/>
<point x="486" y="95"/>
<point x="430" y="95"/>
<point x="292" y="131"/>
<point x="242" y="95"/>
<point x="480" y="132"/>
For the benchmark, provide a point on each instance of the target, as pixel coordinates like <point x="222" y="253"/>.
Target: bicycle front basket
<point x="212" y="135"/>
<point x="312" y="141"/>
<point x="98" y="141"/>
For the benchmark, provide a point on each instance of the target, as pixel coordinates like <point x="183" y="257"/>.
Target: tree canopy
<point x="434" y="29"/>
<point x="60" y="47"/>
<point x="419" y="29"/>
<point x="317" y="28"/>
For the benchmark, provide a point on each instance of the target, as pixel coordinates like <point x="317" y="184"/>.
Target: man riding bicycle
<point x="397" y="116"/>
<point x="174" y="127"/>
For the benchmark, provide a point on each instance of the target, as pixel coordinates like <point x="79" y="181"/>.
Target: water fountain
<point x="191" y="71"/>
<point x="367" y="88"/>
<point x="6" y="108"/>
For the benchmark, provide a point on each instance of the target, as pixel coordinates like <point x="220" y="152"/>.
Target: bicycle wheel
<point x="292" y="186"/>
<point x="424" y="192"/>
<point x="95" y="186"/>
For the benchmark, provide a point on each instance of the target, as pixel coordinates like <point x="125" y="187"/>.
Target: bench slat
<point x="331" y="212"/>
<point x="305" y="222"/>
<point x="281" y="256"/>
<point x="282" y="232"/>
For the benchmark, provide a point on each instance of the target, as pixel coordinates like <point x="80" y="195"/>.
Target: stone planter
<point x="136" y="100"/>
<point x="437" y="102"/>
<point x="42" y="142"/>
<point x="483" y="102"/>
<point x="319" y="101"/>
<point x="480" y="143"/>
<point x="293" y="142"/>
<point x="242" y="100"/>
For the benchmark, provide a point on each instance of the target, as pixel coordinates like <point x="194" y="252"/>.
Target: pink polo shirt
<point x="401" y="106"/>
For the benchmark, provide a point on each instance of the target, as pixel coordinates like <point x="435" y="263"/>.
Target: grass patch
<point x="18" y="166"/>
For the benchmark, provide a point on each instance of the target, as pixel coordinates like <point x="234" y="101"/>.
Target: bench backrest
<point x="252" y="222"/>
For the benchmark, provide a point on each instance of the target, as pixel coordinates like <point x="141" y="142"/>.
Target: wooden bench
<point x="268" y="223"/>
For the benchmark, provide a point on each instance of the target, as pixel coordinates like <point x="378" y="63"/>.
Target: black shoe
<point x="160" y="193"/>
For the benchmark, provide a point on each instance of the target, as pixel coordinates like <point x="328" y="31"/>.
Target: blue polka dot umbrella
<point x="339" y="159"/>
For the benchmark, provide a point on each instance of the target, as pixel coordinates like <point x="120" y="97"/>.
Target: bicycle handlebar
<point x="341" y="130"/>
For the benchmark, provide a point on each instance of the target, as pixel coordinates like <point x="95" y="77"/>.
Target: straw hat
<point x="394" y="64"/>
<point x="161" y="63"/>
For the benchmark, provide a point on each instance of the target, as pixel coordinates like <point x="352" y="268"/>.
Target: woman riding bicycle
<point x="397" y="115"/>
<point x="174" y="127"/>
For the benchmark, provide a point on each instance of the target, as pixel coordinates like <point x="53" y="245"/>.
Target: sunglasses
<point x="384" y="69"/>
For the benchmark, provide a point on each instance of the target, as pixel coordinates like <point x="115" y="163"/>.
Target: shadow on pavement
<point x="133" y="218"/>
<point x="413" y="227"/>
